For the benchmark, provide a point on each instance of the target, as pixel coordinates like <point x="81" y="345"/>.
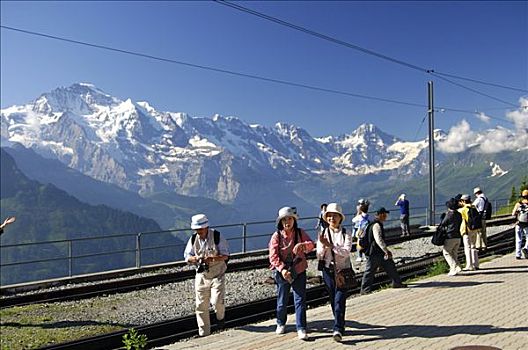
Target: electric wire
<point x="367" y="51"/>
<point x="321" y="36"/>
<point x="210" y="68"/>
<point x="480" y="81"/>
<point x="252" y="76"/>
<point x="473" y="90"/>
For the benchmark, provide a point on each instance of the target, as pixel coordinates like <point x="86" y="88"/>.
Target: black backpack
<point x="364" y="239"/>
<point x="486" y="214"/>
<point x="440" y="235"/>
<point x="216" y="235"/>
<point x="474" y="219"/>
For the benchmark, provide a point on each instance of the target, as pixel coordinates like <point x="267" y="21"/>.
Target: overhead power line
<point x="214" y="69"/>
<point x="321" y="36"/>
<point x="473" y="90"/>
<point x="368" y="51"/>
<point x="245" y="75"/>
<point x="480" y="82"/>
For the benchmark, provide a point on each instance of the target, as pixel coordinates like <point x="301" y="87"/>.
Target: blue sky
<point x="483" y="40"/>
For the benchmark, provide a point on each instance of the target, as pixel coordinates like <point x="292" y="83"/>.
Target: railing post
<point x="70" y="259"/>
<point x="138" y="250"/>
<point x="244" y="237"/>
<point x="494" y="209"/>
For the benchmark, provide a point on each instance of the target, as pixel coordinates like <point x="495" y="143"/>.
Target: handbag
<point x="344" y="278"/>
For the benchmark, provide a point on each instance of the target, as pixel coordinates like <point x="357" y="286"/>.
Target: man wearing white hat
<point x="207" y="251"/>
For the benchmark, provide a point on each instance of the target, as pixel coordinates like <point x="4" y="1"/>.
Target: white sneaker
<point x="453" y="273"/>
<point x="337" y="336"/>
<point x="280" y="329"/>
<point x="301" y="333"/>
<point x="458" y="269"/>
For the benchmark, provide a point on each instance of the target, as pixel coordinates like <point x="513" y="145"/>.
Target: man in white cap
<point x="208" y="252"/>
<point x="403" y="203"/>
<point x="480" y="203"/>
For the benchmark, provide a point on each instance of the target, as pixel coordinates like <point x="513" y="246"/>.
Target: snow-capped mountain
<point x="135" y="146"/>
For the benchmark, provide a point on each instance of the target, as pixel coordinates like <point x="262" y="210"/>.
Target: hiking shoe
<point x="337" y="336"/>
<point x="518" y="258"/>
<point x="280" y="329"/>
<point x="301" y="333"/>
<point x="220" y="324"/>
<point x="525" y="252"/>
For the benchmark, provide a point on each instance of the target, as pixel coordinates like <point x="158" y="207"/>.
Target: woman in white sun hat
<point x="333" y="252"/>
<point x="287" y="248"/>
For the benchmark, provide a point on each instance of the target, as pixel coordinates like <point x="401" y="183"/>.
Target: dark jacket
<point x="452" y="222"/>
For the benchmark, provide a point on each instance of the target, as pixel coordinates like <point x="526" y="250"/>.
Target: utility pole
<point x="431" y="156"/>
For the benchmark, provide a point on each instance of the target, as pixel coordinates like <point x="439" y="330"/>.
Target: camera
<point x="202" y="267"/>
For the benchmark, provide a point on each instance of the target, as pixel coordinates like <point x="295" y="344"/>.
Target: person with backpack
<point x="321" y="223"/>
<point x="378" y="254"/>
<point x="471" y="223"/>
<point x="483" y="206"/>
<point x="287" y="248"/>
<point x="333" y="252"/>
<point x="520" y="212"/>
<point x="360" y="222"/>
<point x="452" y="221"/>
<point x="208" y="252"/>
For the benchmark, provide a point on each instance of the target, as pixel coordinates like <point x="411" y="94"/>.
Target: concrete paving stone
<point x="480" y="308"/>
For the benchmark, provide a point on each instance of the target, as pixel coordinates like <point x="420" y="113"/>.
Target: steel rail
<point x="163" y="333"/>
<point x="143" y="282"/>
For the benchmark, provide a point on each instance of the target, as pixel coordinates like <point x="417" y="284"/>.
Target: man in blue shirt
<point x="360" y="222"/>
<point x="403" y="203"/>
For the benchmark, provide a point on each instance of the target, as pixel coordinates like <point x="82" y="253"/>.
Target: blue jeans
<point x="299" y="299"/>
<point x="520" y="233"/>
<point x="337" y="300"/>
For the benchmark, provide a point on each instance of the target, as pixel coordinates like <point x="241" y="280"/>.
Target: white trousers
<point x="450" y="251"/>
<point x="470" y="250"/>
<point x="209" y="291"/>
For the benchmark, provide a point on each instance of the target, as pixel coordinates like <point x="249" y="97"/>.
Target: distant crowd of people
<point x="289" y="244"/>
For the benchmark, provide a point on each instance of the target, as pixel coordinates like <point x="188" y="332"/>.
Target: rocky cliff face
<point x="134" y="146"/>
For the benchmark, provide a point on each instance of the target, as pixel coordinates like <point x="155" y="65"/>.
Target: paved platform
<point x="487" y="307"/>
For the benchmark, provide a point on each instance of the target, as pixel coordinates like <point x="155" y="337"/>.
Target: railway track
<point x="143" y="282"/>
<point x="166" y="332"/>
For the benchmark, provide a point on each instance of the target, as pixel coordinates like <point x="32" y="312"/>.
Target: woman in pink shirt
<point x="287" y="249"/>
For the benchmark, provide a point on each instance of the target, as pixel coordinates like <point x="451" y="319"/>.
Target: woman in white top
<point x="333" y="252"/>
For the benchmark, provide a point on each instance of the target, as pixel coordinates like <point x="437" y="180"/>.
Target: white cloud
<point x="459" y="138"/>
<point x="498" y="139"/>
<point x="482" y="116"/>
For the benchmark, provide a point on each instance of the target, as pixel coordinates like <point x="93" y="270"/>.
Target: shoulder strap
<point x="193" y="238"/>
<point x="216" y="237"/>
<point x="343" y="231"/>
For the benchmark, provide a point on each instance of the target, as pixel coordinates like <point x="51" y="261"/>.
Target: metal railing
<point x="76" y="256"/>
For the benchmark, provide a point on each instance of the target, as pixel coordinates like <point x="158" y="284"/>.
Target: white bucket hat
<point x="199" y="221"/>
<point x="476" y="190"/>
<point x="284" y="212"/>
<point x="335" y="208"/>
